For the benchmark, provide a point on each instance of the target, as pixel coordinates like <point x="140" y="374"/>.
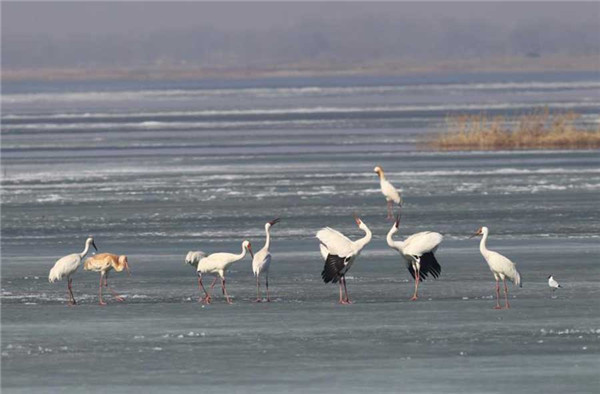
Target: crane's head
<point x="246" y="245"/>
<point x="361" y="225"/>
<point x="480" y="231"/>
<point x="378" y="170"/>
<point x="550" y="277"/>
<point x="123" y="264"/>
<point x="90" y="241"/>
<point x="271" y="223"/>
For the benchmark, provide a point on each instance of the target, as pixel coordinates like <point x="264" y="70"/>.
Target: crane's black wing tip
<point x="429" y="265"/>
<point x="333" y="268"/>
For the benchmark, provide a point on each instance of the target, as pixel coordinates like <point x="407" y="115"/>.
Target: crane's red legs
<point x="213" y="284"/>
<point x="70" y="289"/>
<point x="343" y="292"/>
<point x="506" y="304"/>
<point x="417" y="279"/>
<point x="346" y="290"/>
<point x="258" y="299"/>
<point x="497" y="295"/>
<point x="268" y="297"/>
<point x="114" y="293"/>
<point x="101" y="301"/>
<point x="225" y="291"/>
<point x="206" y="299"/>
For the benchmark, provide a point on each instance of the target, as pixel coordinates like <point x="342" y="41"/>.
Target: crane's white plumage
<point x="193" y="257"/>
<point x="217" y="264"/>
<point x="388" y="190"/>
<point x="420" y="243"/>
<point x="418" y="252"/>
<point x="553" y="283"/>
<point x="500" y="266"/>
<point x="262" y="261"/>
<point x="67" y="265"/>
<point x="335" y="242"/>
<point x="340" y="253"/>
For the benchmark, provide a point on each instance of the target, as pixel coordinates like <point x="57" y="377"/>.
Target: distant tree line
<point x="367" y="39"/>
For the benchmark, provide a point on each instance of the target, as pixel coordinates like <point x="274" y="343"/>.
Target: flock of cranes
<point x="338" y="252"/>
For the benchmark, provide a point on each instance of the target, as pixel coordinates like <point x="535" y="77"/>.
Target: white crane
<point x="262" y="260"/>
<point x="389" y="191"/>
<point x="217" y="264"/>
<point x="418" y="251"/>
<point x="553" y="283"/>
<point x="500" y="266"/>
<point x="340" y="253"/>
<point x="67" y="265"/>
<point x="193" y="258"/>
<point x="104" y="263"/>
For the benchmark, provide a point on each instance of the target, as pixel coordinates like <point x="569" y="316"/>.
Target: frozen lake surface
<point x="155" y="169"/>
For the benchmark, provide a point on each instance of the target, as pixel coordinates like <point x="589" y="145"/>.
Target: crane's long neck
<point x="399" y="245"/>
<point x="364" y="240"/>
<point x="482" y="245"/>
<point x="268" y="239"/>
<point x="243" y="254"/>
<point x="85" y="250"/>
<point x="381" y="176"/>
<point x="233" y="259"/>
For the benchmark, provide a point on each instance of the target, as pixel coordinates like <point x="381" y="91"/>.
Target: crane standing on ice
<point x="104" y="263"/>
<point x="500" y="266"/>
<point x="340" y="253"/>
<point x="418" y="251"/>
<point x="193" y="258"/>
<point x="389" y="192"/>
<point x="67" y="265"/>
<point x="218" y="263"/>
<point x="262" y="260"/>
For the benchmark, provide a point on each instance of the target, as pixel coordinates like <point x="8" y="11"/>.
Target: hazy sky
<point x="67" y="18"/>
<point x="248" y="35"/>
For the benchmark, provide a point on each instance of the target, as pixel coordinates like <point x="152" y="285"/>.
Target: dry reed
<point x="536" y="130"/>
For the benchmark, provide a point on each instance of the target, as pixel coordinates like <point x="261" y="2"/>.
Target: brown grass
<point x="536" y="130"/>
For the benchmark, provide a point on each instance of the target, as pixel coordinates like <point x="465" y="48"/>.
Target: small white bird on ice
<point x="262" y="260"/>
<point x="553" y="283"/>
<point x="340" y="253"/>
<point x="389" y="192"/>
<point x="217" y="263"/>
<point x="67" y="265"/>
<point x="500" y="266"/>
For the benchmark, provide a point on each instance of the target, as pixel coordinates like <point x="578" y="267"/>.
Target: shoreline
<point x="391" y="68"/>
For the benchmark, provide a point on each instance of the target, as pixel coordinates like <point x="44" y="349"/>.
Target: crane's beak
<point x="397" y="223"/>
<point x="94" y="245"/>
<point x="250" y="250"/>
<point x="474" y="235"/>
<point x="274" y="221"/>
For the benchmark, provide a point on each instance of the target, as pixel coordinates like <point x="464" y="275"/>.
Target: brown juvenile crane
<point x="103" y="263"/>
